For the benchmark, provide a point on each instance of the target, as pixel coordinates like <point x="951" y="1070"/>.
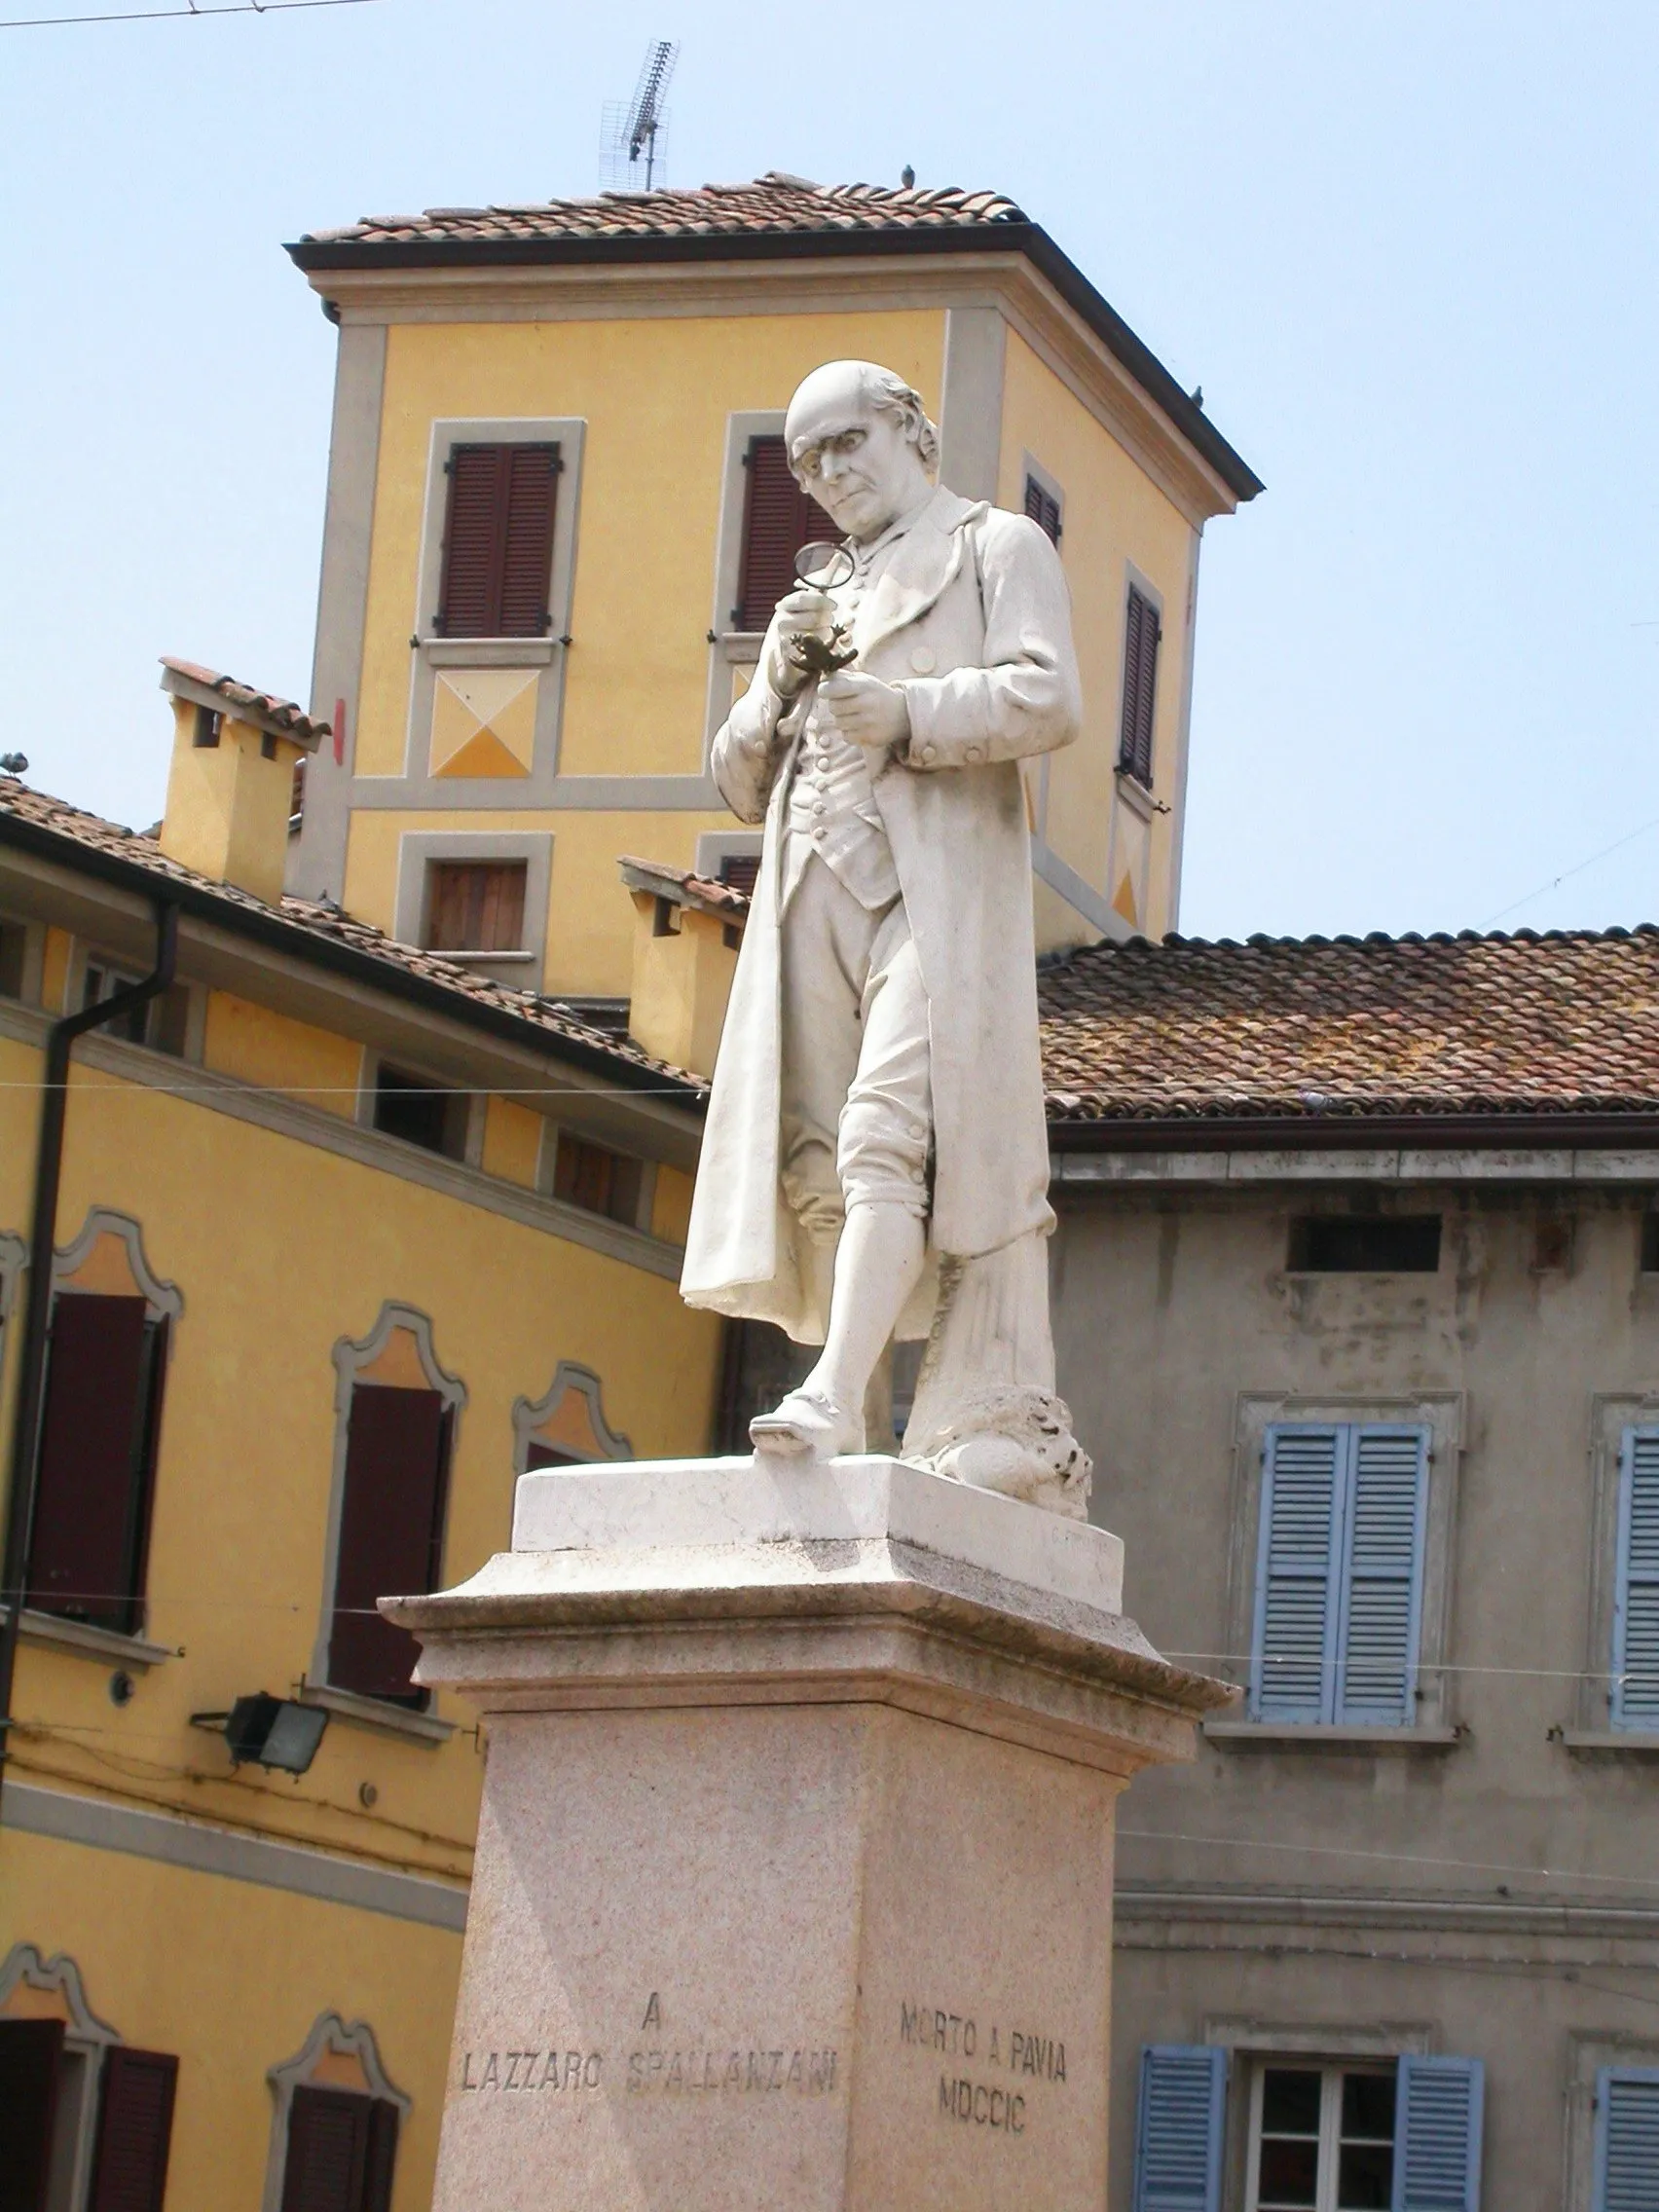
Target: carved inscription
<point x="723" y="2073"/>
<point x="987" y="2099"/>
<point x="538" y="2070"/>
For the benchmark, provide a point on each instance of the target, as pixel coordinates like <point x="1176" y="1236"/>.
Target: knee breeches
<point x="856" y="1093"/>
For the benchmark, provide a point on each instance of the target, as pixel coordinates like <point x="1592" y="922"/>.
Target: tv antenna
<point x="635" y="143"/>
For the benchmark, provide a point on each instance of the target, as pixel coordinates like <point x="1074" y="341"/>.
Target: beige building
<point x="1357" y="1302"/>
<point x="559" y="516"/>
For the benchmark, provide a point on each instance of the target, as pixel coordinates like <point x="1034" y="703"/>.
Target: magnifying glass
<point x="823" y="566"/>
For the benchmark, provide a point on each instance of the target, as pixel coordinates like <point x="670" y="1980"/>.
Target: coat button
<point x="923" y="660"/>
<point x="930" y="752"/>
<point x="975" y="753"/>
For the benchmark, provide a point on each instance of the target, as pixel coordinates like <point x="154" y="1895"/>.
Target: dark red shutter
<point x="31" y="2053"/>
<point x="741" y="871"/>
<point x="1043" y="508"/>
<point x="382" y="2156"/>
<point x="98" y="1444"/>
<point x="777" y="520"/>
<point x="328" y="2145"/>
<point x="390" y="1535"/>
<point x="527" y="560"/>
<point x="129" y="2168"/>
<point x="1141" y="634"/>
<point x="499" y="541"/>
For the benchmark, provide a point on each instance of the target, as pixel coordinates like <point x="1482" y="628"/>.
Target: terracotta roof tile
<point x="1563" y="1023"/>
<point x="284" y="712"/>
<point x="771" y="202"/>
<point x="548" y="1016"/>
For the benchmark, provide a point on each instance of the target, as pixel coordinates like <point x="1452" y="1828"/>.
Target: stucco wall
<point x="1170" y="1305"/>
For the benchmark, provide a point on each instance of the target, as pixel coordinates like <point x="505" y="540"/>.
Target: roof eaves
<point x="1002" y="236"/>
<point x="278" y="932"/>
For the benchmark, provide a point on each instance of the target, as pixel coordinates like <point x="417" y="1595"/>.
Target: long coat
<point x="971" y="618"/>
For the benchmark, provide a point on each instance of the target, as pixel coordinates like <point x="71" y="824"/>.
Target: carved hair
<point x="889" y="394"/>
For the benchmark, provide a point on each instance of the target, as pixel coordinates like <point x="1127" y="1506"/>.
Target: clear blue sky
<point x="1408" y="249"/>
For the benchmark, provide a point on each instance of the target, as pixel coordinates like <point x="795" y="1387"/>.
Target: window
<point x="598" y="1180"/>
<point x="1345" y="1245"/>
<point x="163" y="1022"/>
<point x="1627" y="2138"/>
<point x="1044" y="509"/>
<point x="741" y="871"/>
<point x="1634" y="1694"/>
<point x="1142" y="630"/>
<point x="207" y="727"/>
<point x="391" y="1523"/>
<point x="421" y="1113"/>
<point x="1339" y="1583"/>
<point x="13" y="946"/>
<point x="1651" y="1244"/>
<point x="43" y="2083"/>
<point x="475" y="905"/>
<point x="341" y="2151"/>
<point x="129" y="2165"/>
<point x="497" y="554"/>
<point x="779" y="518"/>
<point x="1322" y="2137"/>
<point x="100" y="1423"/>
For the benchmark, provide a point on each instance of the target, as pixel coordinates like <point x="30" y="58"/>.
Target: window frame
<point x="329" y="2037"/>
<point x="419" y="851"/>
<point x="1032" y="471"/>
<point x="462" y="1100"/>
<point x="351" y="1357"/>
<point x="432" y="650"/>
<point x="1136" y="585"/>
<point x="1331" y="2071"/>
<point x="32" y="963"/>
<point x="1590" y="1724"/>
<point x="1443" y="1414"/>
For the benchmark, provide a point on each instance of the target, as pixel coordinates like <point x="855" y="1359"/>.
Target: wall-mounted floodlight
<point x="267" y="1731"/>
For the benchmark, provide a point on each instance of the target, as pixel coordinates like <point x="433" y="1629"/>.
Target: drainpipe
<point x="37" y="1311"/>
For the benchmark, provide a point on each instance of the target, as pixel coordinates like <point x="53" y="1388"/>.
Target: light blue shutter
<point x="1437" y="2135"/>
<point x="1293" y="1664"/>
<point x="1636" y="1602"/>
<point x="1626" y="2140"/>
<point x="1382" y="1577"/>
<point x="1183" y="2102"/>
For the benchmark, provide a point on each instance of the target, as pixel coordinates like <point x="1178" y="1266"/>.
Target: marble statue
<point x="875" y="1162"/>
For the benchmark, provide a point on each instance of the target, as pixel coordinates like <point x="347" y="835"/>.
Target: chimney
<point x="686" y="932"/>
<point x="230" y="786"/>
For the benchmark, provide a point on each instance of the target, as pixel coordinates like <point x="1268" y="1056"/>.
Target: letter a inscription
<point x="653" y="2014"/>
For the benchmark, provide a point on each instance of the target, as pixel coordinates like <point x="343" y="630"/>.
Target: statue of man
<point x="876" y="1161"/>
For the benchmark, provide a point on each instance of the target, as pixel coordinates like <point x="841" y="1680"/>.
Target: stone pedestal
<point x="793" y="1888"/>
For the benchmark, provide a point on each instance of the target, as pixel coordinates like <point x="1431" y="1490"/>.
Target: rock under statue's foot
<point x="808" y="1425"/>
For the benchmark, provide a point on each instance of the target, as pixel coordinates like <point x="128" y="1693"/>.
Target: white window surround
<point x="34" y="956"/>
<point x="1441" y="1412"/>
<point x="330" y="2035"/>
<point x="351" y="1356"/>
<point x="429" y="651"/>
<point x="85" y="2039"/>
<point x="418" y="849"/>
<point x="714" y="847"/>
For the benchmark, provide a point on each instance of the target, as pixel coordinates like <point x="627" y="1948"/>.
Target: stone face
<point x="794" y="1869"/>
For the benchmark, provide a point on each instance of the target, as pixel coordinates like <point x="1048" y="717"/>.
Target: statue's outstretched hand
<point x="801" y="615"/>
<point x="865" y="710"/>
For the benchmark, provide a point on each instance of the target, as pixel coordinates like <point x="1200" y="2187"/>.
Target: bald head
<point x="859" y="440"/>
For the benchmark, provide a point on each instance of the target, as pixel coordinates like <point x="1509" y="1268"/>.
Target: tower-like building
<point x="559" y="516"/>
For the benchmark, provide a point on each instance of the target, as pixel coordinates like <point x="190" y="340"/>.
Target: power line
<point x="161" y="14"/>
<point x="1556" y="881"/>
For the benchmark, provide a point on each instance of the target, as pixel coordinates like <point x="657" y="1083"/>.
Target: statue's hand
<point x="865" y="710"/>
<point x="803" y="613"/>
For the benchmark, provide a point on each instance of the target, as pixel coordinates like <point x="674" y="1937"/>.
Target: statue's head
<point x="860" y="441"/>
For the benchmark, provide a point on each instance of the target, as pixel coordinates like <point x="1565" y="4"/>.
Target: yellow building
<point x="346" y="1236"/>
<point x="558" y="519"/>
